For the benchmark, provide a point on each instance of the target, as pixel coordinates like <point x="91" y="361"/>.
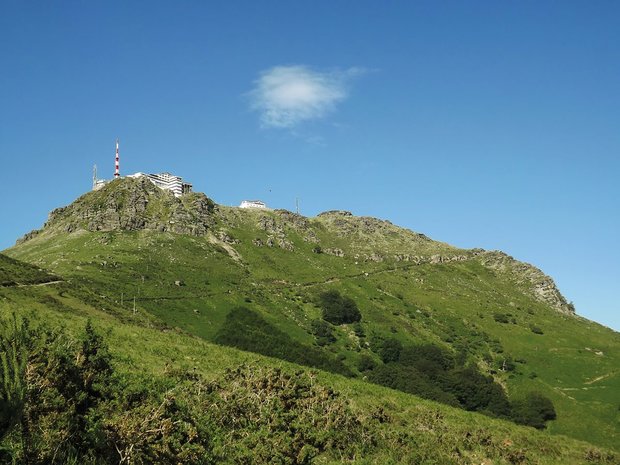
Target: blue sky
<point x="481" y="124"/>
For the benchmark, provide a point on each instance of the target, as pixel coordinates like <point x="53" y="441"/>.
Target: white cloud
<point x="288" y="95"/>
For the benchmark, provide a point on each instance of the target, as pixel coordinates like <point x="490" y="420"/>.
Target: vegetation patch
<point x="247" y="330"/>
<point x="434" y="373"/>
<point x="338" y="309"/>
<point x="61" y="401"/>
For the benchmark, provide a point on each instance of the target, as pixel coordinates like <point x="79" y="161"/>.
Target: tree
<point x="338" y="309"/>
<point x="478" y="392"/>
<point x="534" y="410"/>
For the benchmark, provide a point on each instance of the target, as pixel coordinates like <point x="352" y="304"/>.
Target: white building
<point x="167" y="181"/>
<point x="253" y="204"/>
<point x="98" y="183"/>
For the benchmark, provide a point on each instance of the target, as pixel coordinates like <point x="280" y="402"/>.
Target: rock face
<point x="541" y="286"/>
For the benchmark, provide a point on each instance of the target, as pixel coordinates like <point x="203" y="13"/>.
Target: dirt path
<point x="350" y="276"/>
<point x="600" y="378"/>
<point x="47" y="283"/>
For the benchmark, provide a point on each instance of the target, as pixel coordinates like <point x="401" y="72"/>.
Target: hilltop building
<point x="253" y="204"/>
<point x="167" y="181"/>
<point x="164" y="181"/>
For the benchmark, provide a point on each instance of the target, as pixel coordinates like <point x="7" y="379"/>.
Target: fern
<point x="14" y="341"/>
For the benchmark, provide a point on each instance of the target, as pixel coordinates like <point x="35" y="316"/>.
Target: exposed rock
<point x="310" y="236"/>
<point x="334" y="251"/>
<point x="225" y="237"/>
<point x="336" y="213"/>
<point x="541" y="286"/>
<point x="277" y="234"/>
<point x="285" y="244"/>
<point x="294" y="220"/>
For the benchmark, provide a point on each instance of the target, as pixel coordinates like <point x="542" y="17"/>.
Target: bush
<point x="408" y="379"/>
<point x="427" y="358"/>
<point x="247" y="330"/>
<point x="536" y="330"/>
<point x="338" y="309"/>
<point x="358" y="330"/>
<point x="15" y="338"/>
<point x="534" y="410"/>
<point x="265" y="416"/>
<point x="501" y="318"/>
<point x="366" y="363"/>
<point x="323" y="332"/>
<point x="390" y="350"/>
<point x="478" y="392"/>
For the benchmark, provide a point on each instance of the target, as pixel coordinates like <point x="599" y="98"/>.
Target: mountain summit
<point x="137" y="205"/>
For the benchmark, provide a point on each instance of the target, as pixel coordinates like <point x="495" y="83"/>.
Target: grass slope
<point x="409" y="429"/>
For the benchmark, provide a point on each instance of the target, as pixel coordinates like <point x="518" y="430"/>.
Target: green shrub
<point x="358" y="329"/>
<point x="323" y="332"/>
<point x="15" y="338"/>
<point x="265" y="416"/>
<point x="501" y="318"/>
<point x="390" y="350"/>
<point x="534" y="410"/>
<point x="478" y="392"/>
<point x="338" y="309"/>
<point x="427" y="357"/>
<point x="247" y="330"/>
<point x="366" y="363"/>
<point x="408" y="379"/>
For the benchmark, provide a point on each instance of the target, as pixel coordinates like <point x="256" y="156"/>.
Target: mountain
<point x="185" y="273"/>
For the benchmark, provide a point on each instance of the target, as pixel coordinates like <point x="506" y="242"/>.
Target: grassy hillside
<point x="188" y="264"/>
<point x="399" y="428"/>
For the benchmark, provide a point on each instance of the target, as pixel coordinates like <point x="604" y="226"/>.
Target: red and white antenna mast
<point x="117" y="172"/>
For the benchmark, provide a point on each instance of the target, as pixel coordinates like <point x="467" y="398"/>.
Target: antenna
<point x="94" y="176"/>
<point x="297" y="204"/>
<point x="117" y="172"/>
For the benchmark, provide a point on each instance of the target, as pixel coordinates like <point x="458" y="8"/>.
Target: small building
<point x="98" y="183"/>
<point x="253" y="204"/>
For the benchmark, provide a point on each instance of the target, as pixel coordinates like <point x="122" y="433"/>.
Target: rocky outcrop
<point x="131" y="205"/>
<point x="538" y="284"/>
<point x="335" y="251"/>
<point x="275" y="228"/>
<point x="336" y="213"/>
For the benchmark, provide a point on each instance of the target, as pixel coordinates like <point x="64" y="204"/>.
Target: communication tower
<point x="117" y="171"/>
